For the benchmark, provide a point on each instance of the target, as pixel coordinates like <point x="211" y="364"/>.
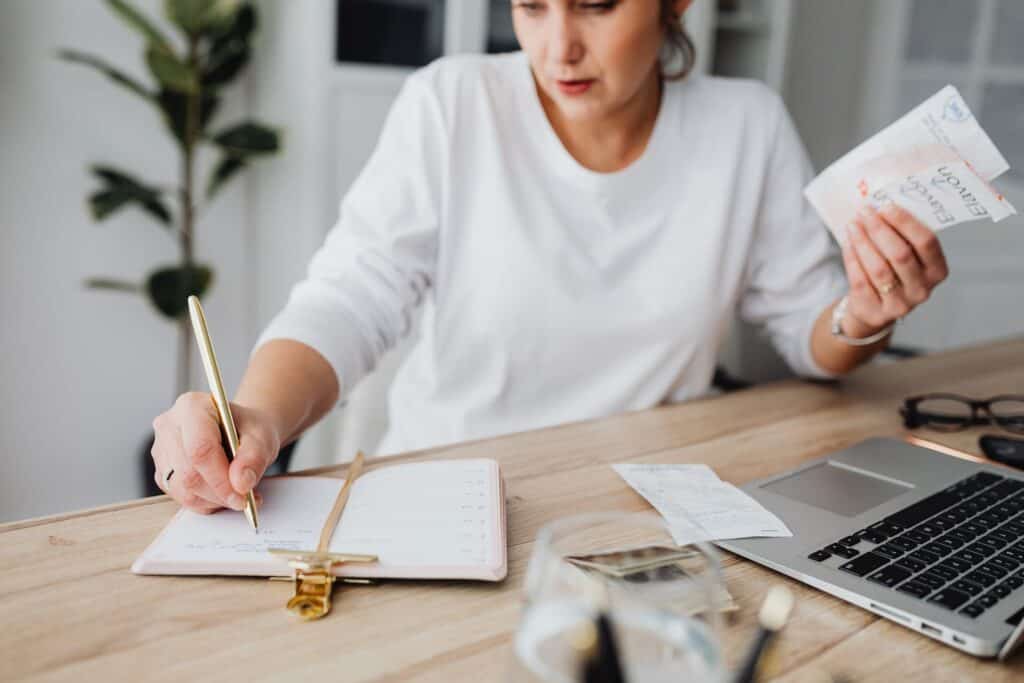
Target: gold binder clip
<point x="312" y="573"/>
<point x="313" y="579"/>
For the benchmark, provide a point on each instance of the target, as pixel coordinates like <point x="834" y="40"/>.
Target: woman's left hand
<point x="893" y="262"/>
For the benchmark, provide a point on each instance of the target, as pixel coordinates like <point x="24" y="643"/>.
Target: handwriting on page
<point x="291" y="517"/>
<point x="413" y="515"/>
<point x="698" y="506"/>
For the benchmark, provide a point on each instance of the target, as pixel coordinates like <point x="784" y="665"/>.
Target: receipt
<point x="936" y="161"/>
<point x="698" y="506"/>
<point x="941" y="195"/>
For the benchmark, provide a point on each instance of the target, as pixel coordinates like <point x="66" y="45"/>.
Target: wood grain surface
<point x="71" y="610"/>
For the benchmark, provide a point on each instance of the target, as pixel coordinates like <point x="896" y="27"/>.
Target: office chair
<point x="726" y="382"/>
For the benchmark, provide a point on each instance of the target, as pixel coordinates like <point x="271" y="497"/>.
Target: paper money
<point x="666" y="572"/>
<point x="620" y="563"/>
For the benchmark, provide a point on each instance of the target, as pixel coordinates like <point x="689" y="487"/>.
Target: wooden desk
<point x="70" y="609"/>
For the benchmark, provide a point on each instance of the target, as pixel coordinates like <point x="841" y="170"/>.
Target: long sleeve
<point x="794" y="270"/>
<point x="377" y="262"/>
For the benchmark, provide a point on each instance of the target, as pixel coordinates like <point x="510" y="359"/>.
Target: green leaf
<point x="112" y="284"/>
<point x="243" y="23"/>
<point x="122" y="190"/>
<point x="225" y="169"/>
<point x="140" y="23"/>
<point x="105" y="202"/>
<point x="221" y="14"/>
<point x="102" y="203"/>
<point x="197" y="16"/>
<point x="188" y="14"/>
<point x="175" y="107"/>
<point x="169" y="288"/>
<point x="113" y="74"/>
<point x="171" y="72"/>
<point x="225" y="64"/>
<point x="248" y="138"/>
<point x="229" y="50"/>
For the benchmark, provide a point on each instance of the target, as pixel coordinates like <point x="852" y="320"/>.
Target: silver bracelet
<point x="839" y="312"/>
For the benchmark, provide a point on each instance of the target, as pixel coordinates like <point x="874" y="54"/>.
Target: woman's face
<point x="591" y="57"/>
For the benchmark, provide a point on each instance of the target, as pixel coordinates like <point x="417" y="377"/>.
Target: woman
<point x="578" y="227"/>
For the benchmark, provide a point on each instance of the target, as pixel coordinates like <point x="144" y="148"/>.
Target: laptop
<point x="924" y="539"/>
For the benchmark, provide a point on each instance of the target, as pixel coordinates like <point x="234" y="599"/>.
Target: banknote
<point x="620" y="563"/>
<point x="661" y="571"/>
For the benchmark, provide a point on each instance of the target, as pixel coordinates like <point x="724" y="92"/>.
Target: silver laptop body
<point x="844" y="494"/>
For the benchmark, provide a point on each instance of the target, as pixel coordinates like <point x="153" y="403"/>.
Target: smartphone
<point x="1003" y="449"/>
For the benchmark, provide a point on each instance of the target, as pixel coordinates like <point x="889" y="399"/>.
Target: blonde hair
<point x="678" y="44"/>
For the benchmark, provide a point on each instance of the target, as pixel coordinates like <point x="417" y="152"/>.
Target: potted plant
<point x="189" y="71"/>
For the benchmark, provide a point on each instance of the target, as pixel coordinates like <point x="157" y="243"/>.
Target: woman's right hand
<point x="188" y="448"/>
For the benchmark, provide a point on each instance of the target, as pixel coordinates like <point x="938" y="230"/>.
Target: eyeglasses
<point x="952" y="413"/>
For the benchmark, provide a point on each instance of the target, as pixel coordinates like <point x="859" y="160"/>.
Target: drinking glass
<point x="663" y="601"/>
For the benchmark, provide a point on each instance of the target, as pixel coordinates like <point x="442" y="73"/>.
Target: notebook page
<point x="430" y="513"/>
<point x="292" y="514"/>
<point x="439" y="519"/>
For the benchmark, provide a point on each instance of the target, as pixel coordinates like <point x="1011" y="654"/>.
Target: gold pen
<point x="219" y="396"/>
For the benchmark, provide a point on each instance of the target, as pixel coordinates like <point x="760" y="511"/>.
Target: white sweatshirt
<point x="552" y="293"/>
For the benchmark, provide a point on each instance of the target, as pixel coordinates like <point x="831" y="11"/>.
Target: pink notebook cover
<point x="169" y="555"/>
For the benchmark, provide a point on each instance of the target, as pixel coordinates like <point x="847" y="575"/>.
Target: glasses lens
<point x="1009" y="413"/>
<point x="946" y="414"/>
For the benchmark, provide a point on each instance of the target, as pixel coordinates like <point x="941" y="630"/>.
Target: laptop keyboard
<point x="961" y="548"/>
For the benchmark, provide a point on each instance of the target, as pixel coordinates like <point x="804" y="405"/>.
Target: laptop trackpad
<point x="834" y="488"/>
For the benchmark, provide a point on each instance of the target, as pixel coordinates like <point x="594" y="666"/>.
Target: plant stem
<point x="188" y="214"/>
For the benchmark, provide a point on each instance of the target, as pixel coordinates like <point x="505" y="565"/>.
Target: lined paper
<point x="437" y="518"/>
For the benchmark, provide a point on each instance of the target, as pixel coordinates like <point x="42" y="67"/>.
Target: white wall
<point x="294" y="202"/>
<point x="82" y="373"/>
<point x="825" y="74"/>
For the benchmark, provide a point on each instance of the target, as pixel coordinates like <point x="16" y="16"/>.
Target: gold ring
<point x="887" y="287"/>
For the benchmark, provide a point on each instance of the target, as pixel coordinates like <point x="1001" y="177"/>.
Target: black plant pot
<point x="148" y="469"/>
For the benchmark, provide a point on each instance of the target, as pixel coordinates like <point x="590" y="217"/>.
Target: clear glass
<point x="1007" y="47"/>
<point x="915" y="89"/>
<point x="1001" y="107"/>
<point x="941" y="31"/>
<point x="665" y="611"/>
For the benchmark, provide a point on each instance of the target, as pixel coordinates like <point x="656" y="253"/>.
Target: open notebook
<point x="431" y="520"/>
